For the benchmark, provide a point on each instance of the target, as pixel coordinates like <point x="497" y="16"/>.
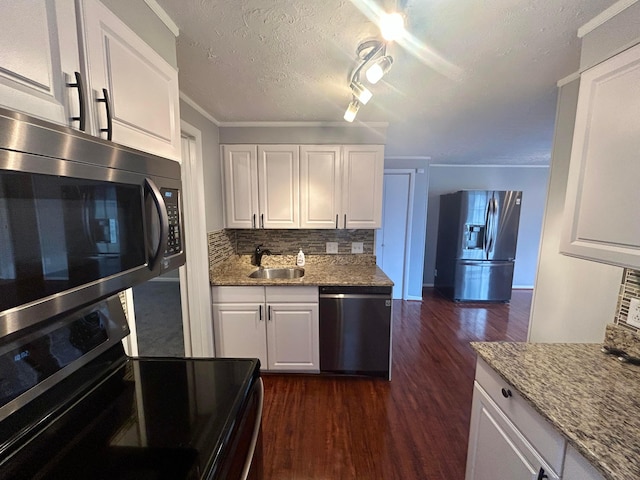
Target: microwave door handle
<point x="164" y="222"/>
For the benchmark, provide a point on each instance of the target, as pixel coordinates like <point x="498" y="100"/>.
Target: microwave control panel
<point x="174" y="240"/>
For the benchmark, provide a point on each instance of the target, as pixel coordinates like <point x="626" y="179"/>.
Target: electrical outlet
<point x="633" y="317"/>
<point x="332" y="247"/>
<point x="356" y="247"/>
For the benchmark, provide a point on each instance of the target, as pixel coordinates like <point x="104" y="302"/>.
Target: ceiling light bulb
<point x="378" y="69"/>
<point x="362" y="93"/>
<point x="391" y="26"/>
<point x="351" y="112"/>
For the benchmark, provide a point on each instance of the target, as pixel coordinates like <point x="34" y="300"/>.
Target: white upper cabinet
<point x="306" y="186"/>
<point x="52" y="70"/>
<point x="38" y="57"/>
<point x="341" y="186"/>
<point x="279" y="186"/>
<point x="601" y="220"/>
<point x="240" y="173"/>
<point x="362" y="180"/>
<point x="320" y="186"/>
<point x="261" y="186"/>
<point x="142" y="100"/>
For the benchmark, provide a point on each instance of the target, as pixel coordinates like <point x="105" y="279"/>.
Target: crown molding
<point x="306" y="124"/>
<point x="603" y="17"/>
<point x="199" y="109"/>
<point x="163" y="16"/>
<point x="568" y="79"/>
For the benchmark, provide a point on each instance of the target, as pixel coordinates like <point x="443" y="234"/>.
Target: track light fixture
<point x="374" y="61"/>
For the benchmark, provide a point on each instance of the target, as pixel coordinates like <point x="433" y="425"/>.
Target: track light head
<point x="352" y="111"/>
<point x="362" y="93"/>
<point x="376" y="71"/>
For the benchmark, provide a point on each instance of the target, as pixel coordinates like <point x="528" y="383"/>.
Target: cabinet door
<point x="320" y="186"/>
<point x="142" y="87"/>
<point x="278" y="186"/>
<point x="240" y="331"/>
<point x="362" y="179"/>
<point x="38" y="57"/>
<point x="496" y="448"/>
<point x="293" y="336"/>
<point x="240" y="176"/>
<point x="601" y="218"/>
<point x="576" y="467"/>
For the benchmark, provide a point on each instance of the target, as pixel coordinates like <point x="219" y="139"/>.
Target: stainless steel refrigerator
<point x="476" y="251"/>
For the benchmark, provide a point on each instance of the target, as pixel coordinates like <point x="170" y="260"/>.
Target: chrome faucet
<point x="258" y="253"/>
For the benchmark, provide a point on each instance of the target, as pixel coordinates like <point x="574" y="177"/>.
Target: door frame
<point x="408" y="232"/>
<point x="194" y="276"/>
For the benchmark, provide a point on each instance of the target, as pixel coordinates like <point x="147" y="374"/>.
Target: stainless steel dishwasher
<point x="355" y="330"/>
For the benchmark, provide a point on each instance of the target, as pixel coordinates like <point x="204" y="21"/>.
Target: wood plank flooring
<point x="414" y="427"/>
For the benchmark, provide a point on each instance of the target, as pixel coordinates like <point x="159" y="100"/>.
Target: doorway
<point x="392" y="240"/>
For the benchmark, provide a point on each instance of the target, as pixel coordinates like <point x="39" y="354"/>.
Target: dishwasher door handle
<point x="354" y="295"/>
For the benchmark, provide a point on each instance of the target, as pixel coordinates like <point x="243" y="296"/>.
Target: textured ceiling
<point x="478" y="85"/>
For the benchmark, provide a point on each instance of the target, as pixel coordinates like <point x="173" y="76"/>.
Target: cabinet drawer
<point x="292" y="294"/>
<point x="538" y="431"/>
<point x="237" y="294"/>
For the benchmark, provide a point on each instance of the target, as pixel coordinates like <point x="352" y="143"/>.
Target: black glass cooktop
<point x="150" y="419"/>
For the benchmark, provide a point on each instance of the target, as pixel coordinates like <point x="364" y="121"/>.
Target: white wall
<point x="139" y="17"/>
<point x="212" y="165"/>
<point x="531" y="180"/>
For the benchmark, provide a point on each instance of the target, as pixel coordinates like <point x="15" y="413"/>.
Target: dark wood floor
<point x="414" y="427"/>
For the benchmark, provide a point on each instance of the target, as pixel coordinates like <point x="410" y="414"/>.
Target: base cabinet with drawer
<point x="507" y="438"/>
<point x="278" y="325"/>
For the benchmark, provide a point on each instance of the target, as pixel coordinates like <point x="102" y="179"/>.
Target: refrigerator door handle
<point x="485" y="238"/>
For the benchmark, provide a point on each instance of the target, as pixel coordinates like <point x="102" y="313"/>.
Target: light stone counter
<point x="590" y="397"/>
<point x="318" y="270"/>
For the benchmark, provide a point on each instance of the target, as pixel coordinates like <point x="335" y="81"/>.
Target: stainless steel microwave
<point x="81" y="218"/>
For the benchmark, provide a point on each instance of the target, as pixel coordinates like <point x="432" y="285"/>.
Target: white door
<point x="240" y="331"/>
<point x="240" y="171"/>
<point x="293" y="336"/>
<point x="279" y="186"/>
<point x="142" y="88"/>
<point x="391" y="239"/>
<point x="38" y="57"/>
<point x="320" y="186"/>
<point x="362" y="177"/>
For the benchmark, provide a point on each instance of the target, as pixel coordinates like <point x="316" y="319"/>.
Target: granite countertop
<point x="318" y="270"/>
<point x="591" y="398"/>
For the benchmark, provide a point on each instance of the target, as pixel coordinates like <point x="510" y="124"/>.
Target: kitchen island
<point x="590" y="398"/>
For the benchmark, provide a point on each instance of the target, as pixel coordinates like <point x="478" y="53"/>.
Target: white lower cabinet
<point x="576" y="467"/>
<point x="278" y="325"/>
<point x="507" y="438"/>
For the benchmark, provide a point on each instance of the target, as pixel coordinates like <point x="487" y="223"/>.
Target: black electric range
<point x="133" y="418"/>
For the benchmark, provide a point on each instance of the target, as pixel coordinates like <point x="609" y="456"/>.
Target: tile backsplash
<point x="221" y="246"/>
<point x="224" y="243"/>
<point x="630" y="288"/>
<point x="288" y="242"/>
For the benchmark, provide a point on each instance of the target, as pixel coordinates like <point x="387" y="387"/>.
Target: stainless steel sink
<point x="269" y="273"/>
